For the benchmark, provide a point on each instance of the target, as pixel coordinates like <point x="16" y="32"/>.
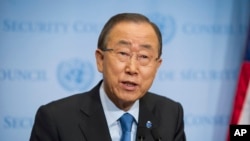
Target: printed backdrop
<point x="47" y="52"/>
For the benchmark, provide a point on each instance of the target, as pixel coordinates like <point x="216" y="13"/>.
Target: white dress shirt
<point x="113" y="113"/>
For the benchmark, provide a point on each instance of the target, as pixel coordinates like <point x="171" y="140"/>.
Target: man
<point x="128" y="56"/>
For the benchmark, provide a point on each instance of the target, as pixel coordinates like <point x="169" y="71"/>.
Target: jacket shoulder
<point x="156" y="98"/>
<point x="162" y="104"/>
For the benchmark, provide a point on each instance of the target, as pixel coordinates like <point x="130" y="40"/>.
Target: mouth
<point x="129" y="85"/>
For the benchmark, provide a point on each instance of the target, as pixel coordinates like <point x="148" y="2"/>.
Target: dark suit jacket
<point x="81" y="118"/>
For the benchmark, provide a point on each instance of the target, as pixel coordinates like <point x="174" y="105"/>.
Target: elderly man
<point x="119" y="108"/>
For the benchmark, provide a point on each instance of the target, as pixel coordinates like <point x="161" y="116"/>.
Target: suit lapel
<point x="93" y="123"/>
<point x="147" y="123"/>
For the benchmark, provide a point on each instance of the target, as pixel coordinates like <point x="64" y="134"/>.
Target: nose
<point x="132" y="66"/>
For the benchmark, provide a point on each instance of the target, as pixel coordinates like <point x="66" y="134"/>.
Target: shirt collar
<point x="113" y="113"/>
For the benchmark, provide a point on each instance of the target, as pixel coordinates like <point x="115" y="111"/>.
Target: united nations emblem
<point x="75" y="75"/>
<point x="166" y="25"/>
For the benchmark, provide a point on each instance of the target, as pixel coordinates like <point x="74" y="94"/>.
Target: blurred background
<point x="47" y="52"/>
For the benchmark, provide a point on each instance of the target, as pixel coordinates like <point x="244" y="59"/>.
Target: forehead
<point x="133" y="33"/>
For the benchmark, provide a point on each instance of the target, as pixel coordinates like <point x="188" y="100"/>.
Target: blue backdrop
<point x="43" y="41"/>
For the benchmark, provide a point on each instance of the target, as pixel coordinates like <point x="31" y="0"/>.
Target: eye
<point x="122" y="53"/>
<point x="143" y="57"/>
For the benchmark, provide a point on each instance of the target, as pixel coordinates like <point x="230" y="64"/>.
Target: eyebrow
<point x="124" y="42"/>
<point x="147" y="46"/>
<point x="129" y="44"/>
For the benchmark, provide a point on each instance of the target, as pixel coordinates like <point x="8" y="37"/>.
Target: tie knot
<point x="126" y="121"/>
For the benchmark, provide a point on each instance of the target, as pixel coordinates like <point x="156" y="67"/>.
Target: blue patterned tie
<point x="126" y="123"/>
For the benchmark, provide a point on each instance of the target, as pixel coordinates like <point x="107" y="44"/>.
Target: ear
<point x="159" y="63"/>
<point x="99" y="60"/>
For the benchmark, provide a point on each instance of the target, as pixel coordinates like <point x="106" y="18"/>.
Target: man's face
<point x="130" y="67"/>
